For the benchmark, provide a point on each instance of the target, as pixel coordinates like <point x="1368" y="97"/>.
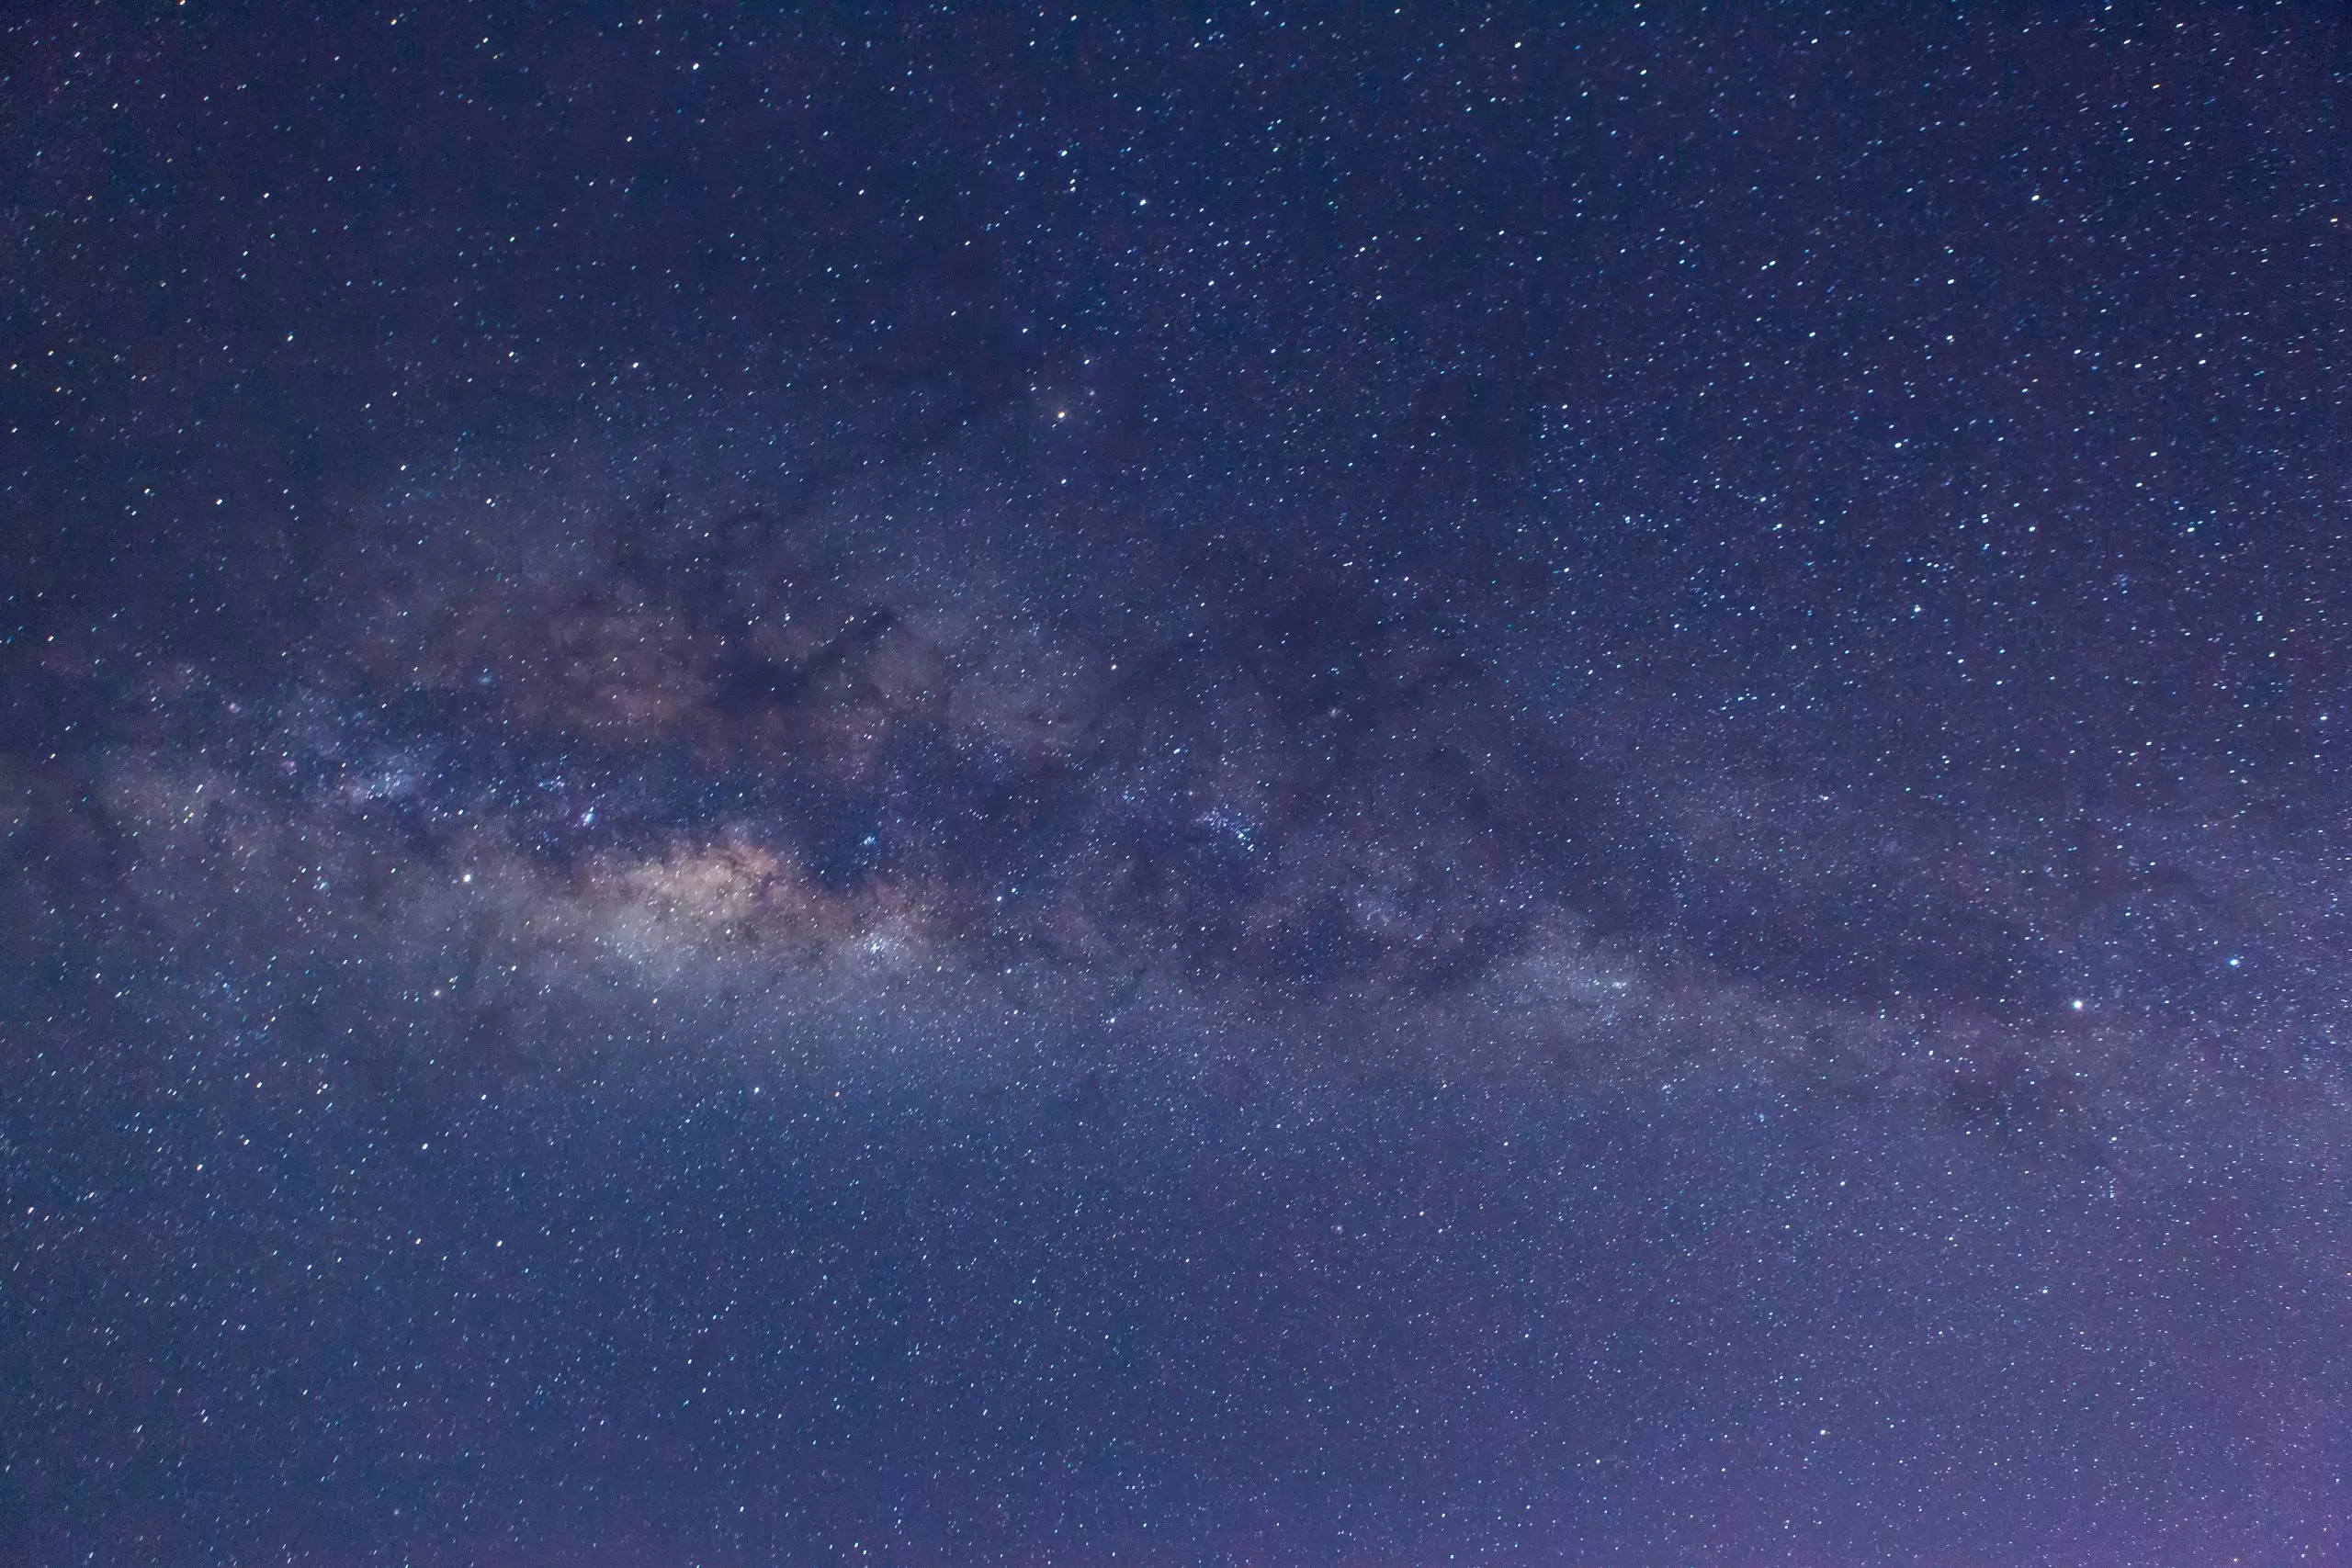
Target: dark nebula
<point x="970" y="787"/>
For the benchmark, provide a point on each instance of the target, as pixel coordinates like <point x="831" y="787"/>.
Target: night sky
<point x="809" y="788"/>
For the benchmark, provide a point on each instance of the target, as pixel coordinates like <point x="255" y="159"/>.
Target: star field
<point x="980" y="786"/>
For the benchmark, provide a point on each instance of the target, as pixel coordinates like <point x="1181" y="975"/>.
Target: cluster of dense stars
<point x="990" y="787"/>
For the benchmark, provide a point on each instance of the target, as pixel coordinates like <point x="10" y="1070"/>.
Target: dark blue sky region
<point x="1308" y="787"/>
